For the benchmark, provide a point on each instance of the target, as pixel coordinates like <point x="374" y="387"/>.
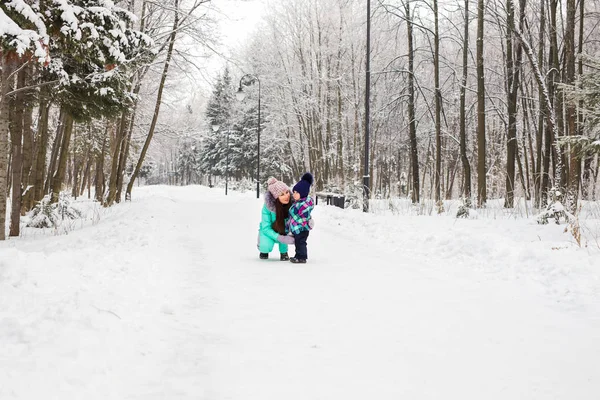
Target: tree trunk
<point x="545" y="90"/>
<point x="340" y="172"/>
<point x="553" y="77"/>
<point x="463" y="117"/>
<point x="412" y="130"/>
<point x="451" y="176"/>
<point x="119" y="138"/>
<point x="42" y="148"/>
<point x="527" y="181"/>
<point x="438" y="95"/>
<point x="55" y="150"/>
<point x="59" y="176"/>
<point x="595" y="174"/>
<point x="16" y="139"/>
<point x="511" y="133"/>
<point x="85" y="176"/>
<point x="529" y="158"/>
<point x="513" y="64"/>
<point x="100" y="186"/>
<point x="571" y="112"/>
<point x="28" y="146"/>
<point x="541" y="174"/>
<point x="587" y="162"/>
<point x="340" y="139"/>
<point x="158" y="101"/>
<point x="481" y="151"/>
<point x="8" y="67"/>
<point x="123" y="157"/>
<point x="125" y="150"/>
<point x="521" y="173"/>
<point x="76" y="167"/>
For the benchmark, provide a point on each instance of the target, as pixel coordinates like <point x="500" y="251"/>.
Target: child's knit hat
<point x="277" y="188"/>
<point x="303" y="187"/>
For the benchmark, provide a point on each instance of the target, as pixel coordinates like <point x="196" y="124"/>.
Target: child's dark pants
<point x="300" y="244"/>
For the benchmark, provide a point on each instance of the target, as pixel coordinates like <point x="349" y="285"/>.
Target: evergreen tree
<point x="243" y="145"/>
<point x="188" y="161"/>
<point x="91" y="62"/>
<point x="218" y="112"/>
<point x="586" y="93"/>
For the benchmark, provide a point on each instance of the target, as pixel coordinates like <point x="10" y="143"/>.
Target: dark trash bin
<point x="333" y="199"/>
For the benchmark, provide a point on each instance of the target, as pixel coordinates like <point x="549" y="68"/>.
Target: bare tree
<point x="542" y="164"/>
<point x="513" y="69"/>
<point x="161" y="87"/>
<point x="412" y="127"/>
<point x="574" y="170"/>
<point x="438" y="103"/>
<point x="550" y="114"/>
<point x="463" y="117"/>
<point x="481" y="149"/>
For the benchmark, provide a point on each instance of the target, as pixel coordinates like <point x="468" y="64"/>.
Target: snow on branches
<point x="25" y="35"/>
<point x="97" y="25"/>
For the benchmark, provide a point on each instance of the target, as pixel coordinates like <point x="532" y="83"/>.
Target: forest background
<point x="472" y="100"/>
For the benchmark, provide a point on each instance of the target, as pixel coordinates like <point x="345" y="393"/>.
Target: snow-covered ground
<point x="165" y="298"/>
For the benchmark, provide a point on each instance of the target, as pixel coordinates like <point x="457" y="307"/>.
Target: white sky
<point x="238" y="19"/>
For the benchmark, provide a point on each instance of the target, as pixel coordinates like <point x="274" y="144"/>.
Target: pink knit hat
<point x="277" y="188"/>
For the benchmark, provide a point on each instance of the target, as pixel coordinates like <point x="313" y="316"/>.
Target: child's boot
<point x="263" y="256"/>
<point x="295" y="260"/>
<point x="284" y="257"/>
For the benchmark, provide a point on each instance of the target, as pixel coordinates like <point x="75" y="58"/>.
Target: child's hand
<point x="311" y="223"/>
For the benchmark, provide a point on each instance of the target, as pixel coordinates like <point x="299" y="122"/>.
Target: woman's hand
<point x="285" y="239"/>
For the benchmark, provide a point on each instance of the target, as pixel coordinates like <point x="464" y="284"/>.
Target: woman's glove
<point x="285" y="239"/>
<point x="311" y="223"/>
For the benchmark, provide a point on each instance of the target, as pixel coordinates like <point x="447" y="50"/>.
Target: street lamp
<point x="215" y="127"/>
<point x="227" y="165"/>
<point x="240" y="95"/>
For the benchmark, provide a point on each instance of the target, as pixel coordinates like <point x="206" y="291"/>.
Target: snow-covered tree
<point x="188" y="161"/>
<point x="83" y="49"/>
<point x="219" y="115"/>
<point x="23" y="38"/>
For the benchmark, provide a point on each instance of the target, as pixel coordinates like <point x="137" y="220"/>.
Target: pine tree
<point x="218" y="113"/>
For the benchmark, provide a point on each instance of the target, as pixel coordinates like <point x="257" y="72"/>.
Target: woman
<point x="273" y="224"/>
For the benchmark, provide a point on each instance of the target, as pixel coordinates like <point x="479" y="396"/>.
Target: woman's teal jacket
<point x="266" y="235"/>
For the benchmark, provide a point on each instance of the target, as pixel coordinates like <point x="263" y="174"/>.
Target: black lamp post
<point x="240" y="95"/>
<point x="227" y="165"/>
<point x="366" y="183"/>
<point x="215" y="127"/>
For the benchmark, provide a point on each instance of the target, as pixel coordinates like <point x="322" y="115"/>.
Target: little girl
<point x="300" y="216"/>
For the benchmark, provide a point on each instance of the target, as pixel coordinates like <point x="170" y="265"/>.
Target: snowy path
<point x="166" y="299"/>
